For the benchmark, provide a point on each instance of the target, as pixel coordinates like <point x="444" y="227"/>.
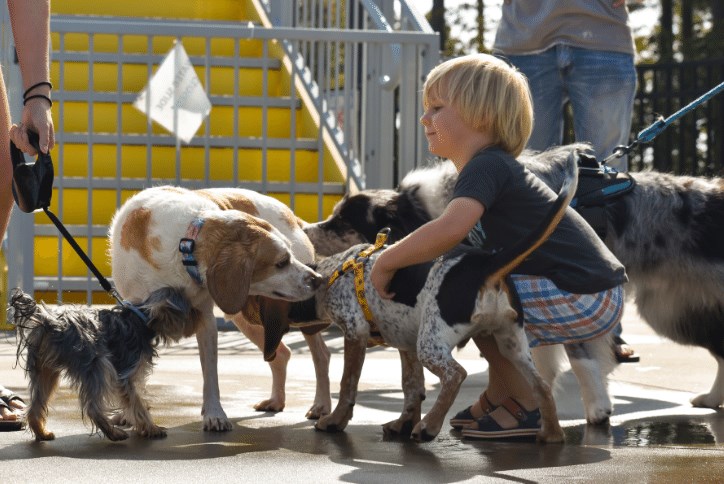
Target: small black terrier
<point x="107" y="354"/>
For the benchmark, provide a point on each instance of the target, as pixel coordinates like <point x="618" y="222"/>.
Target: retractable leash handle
<point x="32" y="182"/>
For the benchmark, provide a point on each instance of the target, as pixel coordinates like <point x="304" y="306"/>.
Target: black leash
<point x="33" y="189"/>
<point x="103" y="281"/>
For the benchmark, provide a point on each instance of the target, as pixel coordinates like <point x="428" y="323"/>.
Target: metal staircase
<point x="303" y="109"/>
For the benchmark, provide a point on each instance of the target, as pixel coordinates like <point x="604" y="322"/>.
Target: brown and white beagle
<point x="234" y="248"/>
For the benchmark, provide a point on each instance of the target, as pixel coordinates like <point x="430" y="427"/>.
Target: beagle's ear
<point x="228" y="280"/>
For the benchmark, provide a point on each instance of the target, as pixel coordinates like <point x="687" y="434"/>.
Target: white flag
<point x="174" y="97"/>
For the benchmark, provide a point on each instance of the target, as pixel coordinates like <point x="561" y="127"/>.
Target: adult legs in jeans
<point x="600" y="87"/>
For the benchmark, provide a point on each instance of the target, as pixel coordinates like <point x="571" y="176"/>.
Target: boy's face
<point x="448" y="136"/>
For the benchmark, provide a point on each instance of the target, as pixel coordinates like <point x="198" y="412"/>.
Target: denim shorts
<point x="554" y="316"/>
<point x="600" y="86"/>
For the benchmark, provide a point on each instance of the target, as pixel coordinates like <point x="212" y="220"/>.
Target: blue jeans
<point x="600" y="87"/>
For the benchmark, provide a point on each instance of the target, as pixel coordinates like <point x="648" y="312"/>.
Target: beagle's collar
<point x="187" y="245"/>
<point x="357" y="264"/>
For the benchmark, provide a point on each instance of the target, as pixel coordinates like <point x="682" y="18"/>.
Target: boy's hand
<point x="381" y="277"/>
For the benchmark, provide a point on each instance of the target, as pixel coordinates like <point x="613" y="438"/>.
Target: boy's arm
<point x="427" y="242"/>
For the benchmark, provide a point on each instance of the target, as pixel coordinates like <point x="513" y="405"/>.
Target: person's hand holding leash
<point x="36" y="117"/>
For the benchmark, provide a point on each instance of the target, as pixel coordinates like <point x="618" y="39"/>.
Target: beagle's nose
<point x="314" y="280"/>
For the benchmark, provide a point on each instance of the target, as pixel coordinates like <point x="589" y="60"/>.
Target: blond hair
<point x="488" y="94"/>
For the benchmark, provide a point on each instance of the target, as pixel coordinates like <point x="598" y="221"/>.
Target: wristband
<point x="38" y="96"/>
<point x="41" y="83"/>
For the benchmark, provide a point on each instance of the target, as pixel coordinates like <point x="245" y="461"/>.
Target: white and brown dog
<point x="237" y="249"/>
<point x="462" y="295"/>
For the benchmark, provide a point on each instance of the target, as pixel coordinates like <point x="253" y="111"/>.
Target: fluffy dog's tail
<point x="25" y="314"/>
<point x="504" y="262"/>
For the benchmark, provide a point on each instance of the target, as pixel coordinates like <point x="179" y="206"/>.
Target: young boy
<point x="478" y="114"/>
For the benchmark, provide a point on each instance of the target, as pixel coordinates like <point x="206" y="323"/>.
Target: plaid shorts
<point x="553" y="316"/>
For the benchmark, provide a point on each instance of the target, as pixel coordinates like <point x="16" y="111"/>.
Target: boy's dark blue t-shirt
<point x="515" y="202"/>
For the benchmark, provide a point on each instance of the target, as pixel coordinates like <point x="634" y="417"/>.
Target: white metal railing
<point x="380" y="148"/>
<point x="367" y="109"/>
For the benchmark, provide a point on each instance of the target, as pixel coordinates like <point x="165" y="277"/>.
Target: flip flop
<point x="8" y="396"/>
<point x="621" y="357"/>
<point x="11" y="425"/>
<point x="465" y="417"/>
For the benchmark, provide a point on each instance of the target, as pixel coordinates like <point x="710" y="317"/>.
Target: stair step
<point x="77" y="43"/>
<point x="46" y="256"/>
<point x="167" y="140"/>
<point x="75" y="217"/>
<point x="133" y="164"/>
<point x="179" y="9"/>
<point x="105" y="116"/>
<point x="216" y="100"/>
<point x="76" y="76"/>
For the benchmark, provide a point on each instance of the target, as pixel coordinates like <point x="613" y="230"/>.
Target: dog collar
<point x="357" y="265"/>
<point x="187" y="245"/>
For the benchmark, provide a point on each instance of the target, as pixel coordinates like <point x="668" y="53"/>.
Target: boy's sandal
<point x="465" y="417"/>
<point x="10" y="425"/>
<point x="487" y="428"/>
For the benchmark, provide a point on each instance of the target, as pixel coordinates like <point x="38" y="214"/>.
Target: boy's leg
<point x="504" y="381"/>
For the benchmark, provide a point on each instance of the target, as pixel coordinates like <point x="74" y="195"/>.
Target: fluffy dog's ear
<point x="228" y="280"/>
<point x="274" y="316"/>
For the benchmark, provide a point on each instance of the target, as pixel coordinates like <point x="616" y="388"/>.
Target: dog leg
<point x="43" y="383"/>
<point x="513" y="344"/>
<point x="135" y="405"/>
<point x="715" y="397"/>
<point x="451" y="376"/>
<point x="320" y="357"/>
<point x="278" y="366"/>
<point x="551" y="361"/>
<point x="96" y="387"/>
<point x="354" y="357"/>
<point x="413" y="386"/>
<point x="207" y="336"/>
<point x="591" y="362"/>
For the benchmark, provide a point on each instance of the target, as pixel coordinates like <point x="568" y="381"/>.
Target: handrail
<point x="392" y="80"/>
<point x="118" y="25"/>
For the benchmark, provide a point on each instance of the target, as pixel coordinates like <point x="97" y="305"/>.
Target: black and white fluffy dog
<point x="106" y="354"/>
<point x="667" y="231"/>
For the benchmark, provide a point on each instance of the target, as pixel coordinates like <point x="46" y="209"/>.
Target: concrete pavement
<point x="654" y="436"/>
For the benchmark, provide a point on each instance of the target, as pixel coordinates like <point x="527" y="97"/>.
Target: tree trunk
<point x="666" y="37"/>
<point x="480" y="37"/>
<point x="437" y="21"/>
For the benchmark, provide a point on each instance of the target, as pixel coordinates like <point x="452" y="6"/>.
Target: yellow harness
<point x="357" y="266"/>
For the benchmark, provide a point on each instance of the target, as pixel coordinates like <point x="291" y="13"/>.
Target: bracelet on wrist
<point x="38" y="96"/>
<point x="41" y="83"/>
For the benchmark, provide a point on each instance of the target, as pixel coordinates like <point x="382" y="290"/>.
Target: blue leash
<point x="647" y="135"/>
